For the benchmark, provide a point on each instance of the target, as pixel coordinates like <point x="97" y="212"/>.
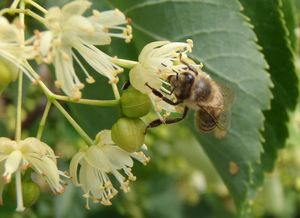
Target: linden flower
<point x="31" y="152"/>
<point x="156" y="62"/>
<point x="69" y="30"/>
<point x="97" y="163"/>
<point x="12" y="52"/>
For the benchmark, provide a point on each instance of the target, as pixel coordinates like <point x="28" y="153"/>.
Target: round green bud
<point x="135" y="104"/>
<point x="30" y="191"/>
<point x="6" y="75"/>
<point x="128" y="133"/>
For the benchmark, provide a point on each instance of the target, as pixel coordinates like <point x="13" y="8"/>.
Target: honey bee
<point x="196" y="90"/>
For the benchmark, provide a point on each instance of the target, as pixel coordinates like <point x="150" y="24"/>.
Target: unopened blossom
<point x="32" y="153"/>
<point x="69" y="30"/>
<point x="156" y="62"/>
<point x="92" y="168"/>
<point x="13" y="51"/>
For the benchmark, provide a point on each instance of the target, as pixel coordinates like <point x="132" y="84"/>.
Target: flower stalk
<point x="19" y="108"/>
<point x="80" y="131"/>
<point x="22" y="11"/>
<point x="124" y="63"/>
<point x="44" y="119"/>
<point x="20" y="204"/>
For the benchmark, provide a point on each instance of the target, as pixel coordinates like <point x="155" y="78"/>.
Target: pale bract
<point x="32" y="153"/>
<point x="156" y="62"/>
<point x="69" y="30"/>
<point x="92" y="168"/>
<point x="13" y="51"/>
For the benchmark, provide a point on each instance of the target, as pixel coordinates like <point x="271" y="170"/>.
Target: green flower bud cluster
<point x="129" y="131"/>
<point x="30" y="191"/>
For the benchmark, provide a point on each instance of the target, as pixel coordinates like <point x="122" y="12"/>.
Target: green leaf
<point x="290" y="18"/>
<point x="224" y="42"/>
<point x="269" y="26"/>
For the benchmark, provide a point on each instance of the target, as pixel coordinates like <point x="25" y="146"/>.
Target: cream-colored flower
<point x="69" y="30"/>
<point x="92" y="167"/>
<point x="32" y="153"/>
<point x="156" y="62"/>
<point x="12" y="51"/>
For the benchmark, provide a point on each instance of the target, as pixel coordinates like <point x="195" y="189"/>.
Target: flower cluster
<point x="157" y="61"/>
<point x="69" y="30"/>
<point x="97" y="162"/>
<point x="28" y="153"/>
<point x="13" y="50"/>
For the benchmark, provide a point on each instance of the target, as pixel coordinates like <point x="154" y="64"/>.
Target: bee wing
<point x="206" y="121"/>
<point x="228" y="96"/>
<point x="223" y="124"/>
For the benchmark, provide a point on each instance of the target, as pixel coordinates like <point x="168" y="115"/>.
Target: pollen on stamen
<point x="129" y="20"/>
<point x="57" y="84"/>
<point x="105" y="29"/>
<point x="35" y="82"/>
<point x="106" y="202"/>
<point x="7" y="178"/>
<point x="131" y="177"/>
<point x="66" y="57"/>
<point x="60" y="191"/>
<point x="118" y="71"/>
<point x="57" y="42"/>
<point x="96" y="13"/>
<point x="125" y="186"/>
<point x="114" y="80"/>
<point x="127" y="33"/>
<point x="191" y="44"/>
<point x="90" y="80"/>
<point x="118" y="12"/>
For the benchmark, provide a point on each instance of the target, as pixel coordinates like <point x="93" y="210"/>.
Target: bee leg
<point x="190" y="67"/>
<point x="158" y="122"/>
<point x="160" y="95"/>
<point x="126" y="85"/>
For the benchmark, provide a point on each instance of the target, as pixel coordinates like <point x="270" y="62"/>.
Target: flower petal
<point x="117" y="157"/>
<point x="74" y="167"/>
<point x="77" y="7"/>
<point x="12" y="163"/>
<point x="97" y="159"/>
<point x="139" y="76"/>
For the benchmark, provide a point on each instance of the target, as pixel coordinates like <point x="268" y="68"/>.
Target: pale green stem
<point x="15" y="4"/>
<point x="80" y="131"/>
<point x="20" y="205"/>
<point x="103" y="103"/>
<point x="116" y="91"/>
<point x="22" y="11"/>
<point x="43" y="120"/>
<point x="124" y="63"/>
<point x="36" y="5"/>
<point x="20" y="86"/>
<point x="51" y="95"/>
<point x="19" y="108"/>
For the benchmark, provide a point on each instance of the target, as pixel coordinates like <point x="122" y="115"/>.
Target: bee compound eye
<point x="189" y="77"/>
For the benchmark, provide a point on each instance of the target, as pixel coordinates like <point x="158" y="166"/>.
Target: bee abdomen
<point x="204" y="121"/>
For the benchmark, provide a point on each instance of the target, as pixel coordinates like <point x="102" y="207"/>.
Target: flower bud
<point x="135" y="104"/>
<point x="7" y="75"/>
<point x="30" y="192"/>
<point x="128" y="133"/>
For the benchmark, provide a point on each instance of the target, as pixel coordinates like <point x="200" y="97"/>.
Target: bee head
<point x="181" y="84"/>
